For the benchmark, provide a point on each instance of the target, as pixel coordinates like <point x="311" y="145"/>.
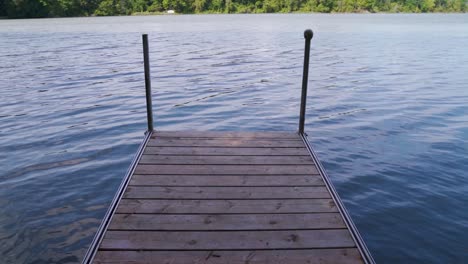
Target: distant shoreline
<point x="295" y="12"/>
<point x="220" y="13"/>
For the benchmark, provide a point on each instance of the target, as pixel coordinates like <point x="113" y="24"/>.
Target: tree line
<point x="67" y="8"/>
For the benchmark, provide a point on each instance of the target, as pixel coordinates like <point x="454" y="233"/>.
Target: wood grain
<point x="227" y="160"/>
<point x="190" y="151"/>
<point x="309" y="256"/>
<point x="226" y="206"/>
<point x="227" y="169"/>
<point x="232" y="142"/>
<point x="226" y="180"/>
<point x="222" y="222"/>
<point x="229" y="134"/>
<point x="222" y="240"/>
<point x="226" y="192"/>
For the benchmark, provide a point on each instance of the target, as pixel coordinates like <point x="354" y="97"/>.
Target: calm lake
<point x="387" y="114"/>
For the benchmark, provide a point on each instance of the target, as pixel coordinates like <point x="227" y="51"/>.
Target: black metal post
<point x="149" y="104"/>
<point x="308" y="34"/>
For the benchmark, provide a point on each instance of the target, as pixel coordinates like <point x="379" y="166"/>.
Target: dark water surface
<point x="388" y="106"/>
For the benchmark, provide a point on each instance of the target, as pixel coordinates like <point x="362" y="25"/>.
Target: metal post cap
<point x="308" y="34"/>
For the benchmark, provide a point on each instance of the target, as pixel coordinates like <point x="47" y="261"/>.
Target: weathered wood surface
<point x="233" y="151"/>
<point x="219" y="193"/>
<point x="309" y="256"/>
<point x="227" y="160"/>
<point x="226" y="135"/>
<point x="136" y="206"/>
<point x="222" y="143"/>
<point x="226" y="240"/>
<point x="222" y="222"/>
<point x="226" y="180"/>
<point x="226" y="197"/>
<point x="226" y="169"/>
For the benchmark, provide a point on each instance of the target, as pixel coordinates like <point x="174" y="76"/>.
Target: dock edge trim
<point x="365" y="253"/>
<point x="93" y="248"/>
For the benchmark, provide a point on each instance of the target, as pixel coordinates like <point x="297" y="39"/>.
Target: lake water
<point x="387" y="113"/>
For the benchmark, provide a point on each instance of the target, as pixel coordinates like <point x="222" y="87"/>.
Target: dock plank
<point x="310" y="256"/>
<point x="226" y="160"/>
<point x="226" y="240"/>
<point x="226" y="134"/>
<point x="222" y="222"/>
<point x="191" y="193"/>
<point x="232" y="151"/>
<point x="223" y="143"/>
<point x="227" y="169"/>
<point x="226" y="180"/>
<point x="226" y="206"/>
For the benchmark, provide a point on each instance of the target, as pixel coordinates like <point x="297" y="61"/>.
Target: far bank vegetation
<point x="65" y="8"/>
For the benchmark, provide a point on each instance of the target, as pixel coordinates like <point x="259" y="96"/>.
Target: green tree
<point x="155" y="6"/>
<point x="107" y="8"/>
<point x="3" y="8"/>
<point x="199" y="5"/>
<point x="26" y="8"/>
<point x="427" y="5"/>
<point x="138" y="5"/>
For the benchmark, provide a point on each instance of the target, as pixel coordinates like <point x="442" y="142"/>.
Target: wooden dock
<point x="226" y="197"/>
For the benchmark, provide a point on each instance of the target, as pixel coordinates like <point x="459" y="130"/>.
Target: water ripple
<point x="386" y="111"/>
